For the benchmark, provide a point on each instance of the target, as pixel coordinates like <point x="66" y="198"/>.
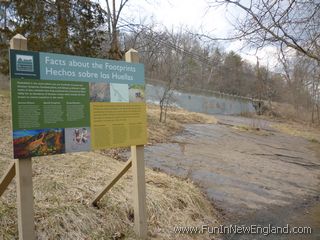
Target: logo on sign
<point x="24" y="63"/>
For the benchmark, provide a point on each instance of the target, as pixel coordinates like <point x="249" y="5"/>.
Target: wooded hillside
<point x="180" y="59"/>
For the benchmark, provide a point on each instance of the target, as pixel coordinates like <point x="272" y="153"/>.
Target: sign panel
<point x="63" y="103"/>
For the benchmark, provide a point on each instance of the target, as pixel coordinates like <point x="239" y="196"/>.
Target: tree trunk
<point x="62" y="13"/>
<point x="161" y="110"/>
<point x="165" y="113"/>
<point x="318" y="113"/>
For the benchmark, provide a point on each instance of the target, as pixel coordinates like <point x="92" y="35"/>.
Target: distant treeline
<point x="178" y="59"/>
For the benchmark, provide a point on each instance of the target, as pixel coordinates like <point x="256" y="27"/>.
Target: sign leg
<point x="112" y="183"/>
<point x="7" y="178"/>
<point x="25" y="199"/>
<point x="139" y="191"/>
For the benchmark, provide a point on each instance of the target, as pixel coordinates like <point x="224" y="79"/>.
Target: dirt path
<point x="255" y="178"/>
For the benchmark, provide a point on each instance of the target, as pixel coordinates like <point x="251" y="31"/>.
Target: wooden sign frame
<point x="22" y="169"/>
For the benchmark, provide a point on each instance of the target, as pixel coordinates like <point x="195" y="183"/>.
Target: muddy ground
<point x="255" y="177"/>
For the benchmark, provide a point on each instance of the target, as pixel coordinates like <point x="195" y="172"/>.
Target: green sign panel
<point x="49" y="104"/>
<point x="63" y="103"/>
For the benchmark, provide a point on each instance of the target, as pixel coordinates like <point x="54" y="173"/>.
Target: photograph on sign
<point x="136" y="93"/>
<point x="63" y="103"/>
<point x="39" y="142"/>
<point x="77" y="139"/>
<point x="99" y="92"/>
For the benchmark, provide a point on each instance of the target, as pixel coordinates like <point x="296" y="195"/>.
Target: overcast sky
<point x="197" y="17"/>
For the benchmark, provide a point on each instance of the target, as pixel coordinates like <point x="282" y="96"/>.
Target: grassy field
<point x="65" y="184"/>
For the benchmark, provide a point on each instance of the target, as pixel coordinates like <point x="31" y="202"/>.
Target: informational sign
<point x="63" y="103"/>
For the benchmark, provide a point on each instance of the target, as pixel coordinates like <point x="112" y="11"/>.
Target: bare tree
<point x="202" y="66"/>
<point x="171" y="70"/>
<point x="293" y="23"/>
<point x="286" y="25"/>
<point x="165" y="99"/>
<point x="113" y="17"/>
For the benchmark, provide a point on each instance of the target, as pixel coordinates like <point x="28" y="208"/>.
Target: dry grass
<point x="287" y="119"/>
<point x="251" y="129"/>
<point x="161" y="132"/>
<point x="284" y="112"/>
<point x="65" y="184"/>
<point x="301" y="130"/>
<point x="255" y="126"/>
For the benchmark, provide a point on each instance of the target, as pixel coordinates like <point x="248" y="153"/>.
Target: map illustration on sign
<point x="119" y="92"/>
<point x="63" y="103"/>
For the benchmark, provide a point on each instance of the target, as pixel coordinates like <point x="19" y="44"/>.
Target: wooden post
<point x="112" y="183"/>
<point x="24" y="186"/>
<point x="18" y="42"/>
<point x="139" y="191"/>
<point x="25" y="199"/>
<point x="7" y="178"/>
<point x="138" y="168"/>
